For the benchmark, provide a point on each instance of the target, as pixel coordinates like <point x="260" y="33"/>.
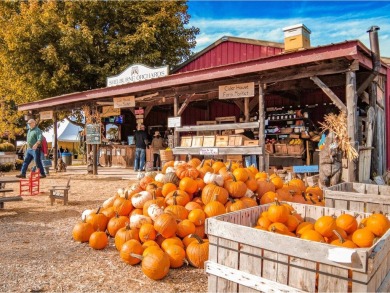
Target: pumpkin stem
<point x="341" y="239"/>
<point x="136" y="256"/>
<point x="197" y="237"/>
<point x="98" y="210"/>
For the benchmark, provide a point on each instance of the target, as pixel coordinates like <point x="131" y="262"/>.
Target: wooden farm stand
<point x="338" y="74"/>
<point x="245" y="259"/>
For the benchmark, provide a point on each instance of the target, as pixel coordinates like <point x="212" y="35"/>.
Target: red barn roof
<point x="229" y="50"/>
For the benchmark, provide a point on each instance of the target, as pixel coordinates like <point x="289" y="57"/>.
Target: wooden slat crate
<point x="166" y="155"/>
<point x="358" y="197"/>
<point x="234" y="158"/>
<point x="186" y="141"/>
<point x="245" y="259"/>
<point x="209" y="140"/>
<point x="222" y="140"/>
<point x="280" y="148"/>
<point x="197" y="141"/>
<point x="295" y="149"/>
<point x="251" y="142"/>
<point x="237" y="139"/>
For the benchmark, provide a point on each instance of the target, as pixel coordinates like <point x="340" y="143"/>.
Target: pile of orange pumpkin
<point x="159" y="222"/>
<point x="343" y="230"/>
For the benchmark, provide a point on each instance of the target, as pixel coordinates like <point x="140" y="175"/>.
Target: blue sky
<point x="329" y="21"/>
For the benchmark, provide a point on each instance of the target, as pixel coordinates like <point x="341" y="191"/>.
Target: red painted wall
<point x="228" y="53"/>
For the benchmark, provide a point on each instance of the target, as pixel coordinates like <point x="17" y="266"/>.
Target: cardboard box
<point x="221" y="140"/>
<point x="242" y="258"/>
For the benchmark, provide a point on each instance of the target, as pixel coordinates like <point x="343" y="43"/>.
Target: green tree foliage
<point x="49" y="48"/>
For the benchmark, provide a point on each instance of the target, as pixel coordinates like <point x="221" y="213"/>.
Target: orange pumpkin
<point x="378" y="224"/>
<point x="278" y="213"/>
<point x="263" y="186"/>
<point x="312" y="235"/>
<point x="188" y="185"/>
<point x="210" y="190"/>
<point x="347" y="222"/>
<point x="363" y="237"/>
<point x="125" y="234"/>
<point x="325" y="225"/>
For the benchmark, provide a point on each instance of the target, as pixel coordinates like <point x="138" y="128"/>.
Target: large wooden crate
<point x="358" y="197"/>
<point x="245" y="259"/>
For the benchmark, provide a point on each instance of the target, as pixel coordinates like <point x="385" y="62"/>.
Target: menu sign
<point x="93" y="134"/>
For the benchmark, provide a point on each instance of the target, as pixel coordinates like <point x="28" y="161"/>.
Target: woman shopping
<point x="157" y="145"/>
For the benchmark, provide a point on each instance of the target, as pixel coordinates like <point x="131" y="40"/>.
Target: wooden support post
<point x="55" y="141"/>
<point x="175" y="113"/>
<point x="262" y="163"/>
<point x="246" y="109"/>
<point x="351" y="99"/>
<point x="95" y="162"/>
<point x="240" y="105"/>
<point x="185" y="104"/>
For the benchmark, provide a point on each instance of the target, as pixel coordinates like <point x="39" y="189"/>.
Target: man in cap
<point x="34" y="144"/>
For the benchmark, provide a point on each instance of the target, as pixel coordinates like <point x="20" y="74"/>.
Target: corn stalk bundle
<point x="338" y="125"/>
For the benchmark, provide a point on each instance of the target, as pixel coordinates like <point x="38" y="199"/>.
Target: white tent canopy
<point x="66" y="132"/>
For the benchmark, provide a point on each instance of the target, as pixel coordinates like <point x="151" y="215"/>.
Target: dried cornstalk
<point x="338" y="125"/>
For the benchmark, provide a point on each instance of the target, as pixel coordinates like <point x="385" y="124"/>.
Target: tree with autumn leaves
<point x="49" y="48"/>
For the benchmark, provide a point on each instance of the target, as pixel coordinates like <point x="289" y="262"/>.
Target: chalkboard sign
<point x="93" y="134"/>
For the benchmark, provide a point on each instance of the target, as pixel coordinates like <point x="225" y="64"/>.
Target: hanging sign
<point x="239" y="90"/>
<point x="174" y="121"/>
<point x="124" y="102"/>
<point x="139" y="111"/>
<point x="46" y="115"/>
<point x="136" y="73"/>
<point x="93" y="134"/>
<point x="108" y="111"/>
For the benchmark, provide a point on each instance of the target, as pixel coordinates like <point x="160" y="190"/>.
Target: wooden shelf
<point x="219" y="127"/>
<point x="238" y="150"/>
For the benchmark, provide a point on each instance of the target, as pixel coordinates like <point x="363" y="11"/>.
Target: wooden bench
<point x="9" y="198"/>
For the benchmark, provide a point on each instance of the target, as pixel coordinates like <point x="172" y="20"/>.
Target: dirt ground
<point x="38" y="253"/>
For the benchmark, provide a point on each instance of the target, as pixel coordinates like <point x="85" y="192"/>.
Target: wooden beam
<point x="175" y="113"/>
<point x="253" y="103"/>
<point x="246" y="109"/>
<point x="147" y="111"/>
<point x="329" y="93"/>
<point x="351" y="98"/>
<point x="185" y="104"/>
<point x="262" y="127"/>
<point x="55" y="142"/>
<point x="240" y="105"/>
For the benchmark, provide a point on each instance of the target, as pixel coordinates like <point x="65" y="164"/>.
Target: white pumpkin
<point x="138" y="200"/>
<point x="86" y="213"/>
<point x="154" y="211"/>
<point x="109" y="202"/>
<point x="159" y="177"/>
<point x="169" y="170"/>
<point x="213" y="178"/>
<point x="136" y="221"/>
<point x="120" y="192"/>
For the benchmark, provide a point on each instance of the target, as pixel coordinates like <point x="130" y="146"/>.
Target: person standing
<point x="157" y="145"/>
<point x="250" y="159"/>
<point x="33" y="152"/>
<point x="141" y="142"/>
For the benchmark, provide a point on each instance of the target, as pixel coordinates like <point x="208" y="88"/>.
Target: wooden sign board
<point x="93" y="135"/>
<point x="139" y="111"/>
<point x="124" y="102"/>
<point x="108" y="111"/>
<point x="239" y="90"/>
<point x="46" y="115"/>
